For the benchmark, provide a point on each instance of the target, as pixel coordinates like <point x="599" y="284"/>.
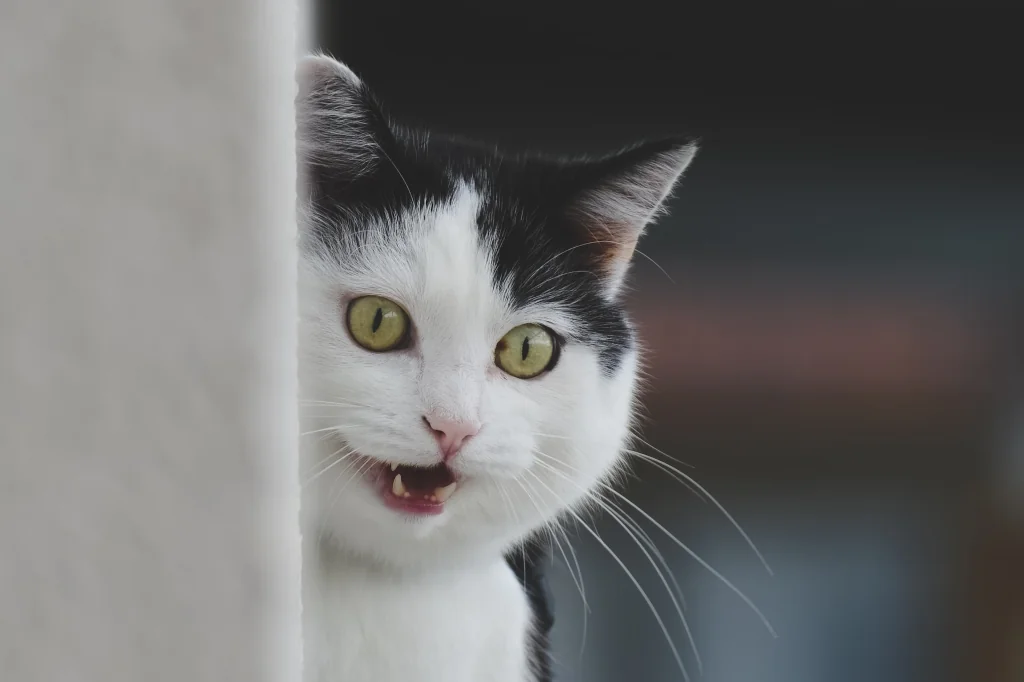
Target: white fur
<point x="335" y="131"/>
<point x="469" y="622"/>
<point x="391" y="598"/>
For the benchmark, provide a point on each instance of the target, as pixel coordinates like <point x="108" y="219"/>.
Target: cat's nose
<point x="451" y="434"/>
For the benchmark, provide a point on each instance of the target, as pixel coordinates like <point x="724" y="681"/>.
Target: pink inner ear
<point x="614" y="213"/>
<point x="622" y="250"/>
<point x="613" y="243"/>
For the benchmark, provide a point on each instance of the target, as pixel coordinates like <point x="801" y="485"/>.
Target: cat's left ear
<point x="340" y="127"/>
<point x="621" y="195"/>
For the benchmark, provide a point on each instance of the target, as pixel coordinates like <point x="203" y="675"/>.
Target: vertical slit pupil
<point x="526" y="347"/>
<point x="378" y="317"/>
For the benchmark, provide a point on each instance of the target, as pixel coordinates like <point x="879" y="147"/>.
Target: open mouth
<point x="417" y="490"/>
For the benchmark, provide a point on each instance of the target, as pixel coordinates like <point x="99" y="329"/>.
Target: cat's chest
<point x="470" y="627"/>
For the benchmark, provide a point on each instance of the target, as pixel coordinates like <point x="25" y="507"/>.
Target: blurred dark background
<point x="837" y="339"/>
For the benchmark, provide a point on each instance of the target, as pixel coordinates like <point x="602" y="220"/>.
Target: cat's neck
<point x="330" y="561"/>
<point x="366" y="621"/>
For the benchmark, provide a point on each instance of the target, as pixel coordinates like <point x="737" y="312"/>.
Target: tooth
<point x="444" y="493"/>
<point x="397" y="488"/>
<point x="394" y="467"/>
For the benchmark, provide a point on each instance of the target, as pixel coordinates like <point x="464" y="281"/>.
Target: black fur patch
<point x="528" y="563"/>
<point x="542" y="252"/>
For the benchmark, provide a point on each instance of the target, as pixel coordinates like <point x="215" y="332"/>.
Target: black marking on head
<point x="536" y="213"/>
<point x="355" y="166"/>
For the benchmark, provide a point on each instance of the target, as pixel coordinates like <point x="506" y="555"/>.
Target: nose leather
<point x="451" y="434"/>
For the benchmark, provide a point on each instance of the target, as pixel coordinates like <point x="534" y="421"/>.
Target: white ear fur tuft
<point x="333" y="115"/>
<point x="319" y="69"/>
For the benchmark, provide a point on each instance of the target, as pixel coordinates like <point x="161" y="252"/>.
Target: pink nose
<point x="451" y="434"/>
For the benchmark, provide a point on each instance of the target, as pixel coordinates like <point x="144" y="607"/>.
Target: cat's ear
<point x="339" y="125"/>
<point x="622" y="194"/>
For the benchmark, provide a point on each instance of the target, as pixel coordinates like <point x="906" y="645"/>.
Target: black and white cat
<point x="468" y="375"/>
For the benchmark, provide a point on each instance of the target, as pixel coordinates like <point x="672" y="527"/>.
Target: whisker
<point x="515" y="516"/>
<point x="619" y="515"/>
<point x="329" y="428"/>
<point x="643" y="534"/>
<point x="393" y="165"/>
<point x="696" y="557"/>
<point x="507" y="501"/>
<point x="717" y="504"/>
<point x="625" y="521"/>
<point x="538" y="511"/>
<point x="328" y="467"/>
<point x="636" y="583"/>
<point x="333" y="403"/>
<point x="551" y="435"/>
<point x="578" y="583"/>
<point x="647" y="540"/>
<point x="333" y="500"/>
<point x="637" y="438"/>
<point x="558" y="544"/>
<point x="670" y="471"/>
<point x="583" y="593"/>
<point x="555" y="460"/>
<point x="556" y="256"/>
<point x="325" y="459"/>
<point x="655" y="263"/>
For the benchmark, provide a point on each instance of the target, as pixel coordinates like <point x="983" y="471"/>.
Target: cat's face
<point x="466" y="370"/>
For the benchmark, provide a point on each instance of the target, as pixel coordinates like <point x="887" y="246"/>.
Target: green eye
<point x="526" y="351"/>
<point x="377" y="324"/>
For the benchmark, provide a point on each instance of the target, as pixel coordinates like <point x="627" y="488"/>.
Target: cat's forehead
<point x="448" y="264"/>
<point x="434" y="259"/>
<point x="473" y="256"/>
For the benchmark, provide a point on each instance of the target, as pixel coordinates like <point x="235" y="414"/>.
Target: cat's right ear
<point x="338" y="123"/>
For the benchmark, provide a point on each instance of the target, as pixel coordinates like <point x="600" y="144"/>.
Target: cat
<point x="468" y="376"/>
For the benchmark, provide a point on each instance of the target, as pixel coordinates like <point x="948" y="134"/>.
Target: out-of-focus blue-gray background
<point x="837" y="347"/>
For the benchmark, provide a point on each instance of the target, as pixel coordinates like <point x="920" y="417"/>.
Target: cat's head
<point x="467" y="370"/>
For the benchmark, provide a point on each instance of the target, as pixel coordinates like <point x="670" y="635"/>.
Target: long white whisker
<point x="328" y="467"/>
<point x="328" y="458"/>
<point x="505" y="499"/>
<point x="556" y="461"/>
<point x="670" y="470"/>
<point x="556" y="256"/>
<point x="333" y="499"/>
<point x="551" y="435"/>
<point x="621" y="518"/>
<point x="647" y="540"/>
<point x="619" y="515"/>
<point x="564" y="535"/>
<point x="558" y="544"/>
<point x="332" y="403"/>
<point x="696" y="557"/>
<point x="633" y="434"/>
<point x="643" y="593"/>
<point x="568" y="566"/>
<point x="655" y="263"/>
<point x="717" y="504"/>
<point x="329" y="428"/>
<point x="393" y="165"/>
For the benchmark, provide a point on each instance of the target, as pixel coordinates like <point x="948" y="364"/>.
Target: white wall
<point x="146" y="340"/>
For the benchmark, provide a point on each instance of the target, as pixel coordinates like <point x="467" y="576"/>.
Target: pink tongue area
<point x="422" y="481"/>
